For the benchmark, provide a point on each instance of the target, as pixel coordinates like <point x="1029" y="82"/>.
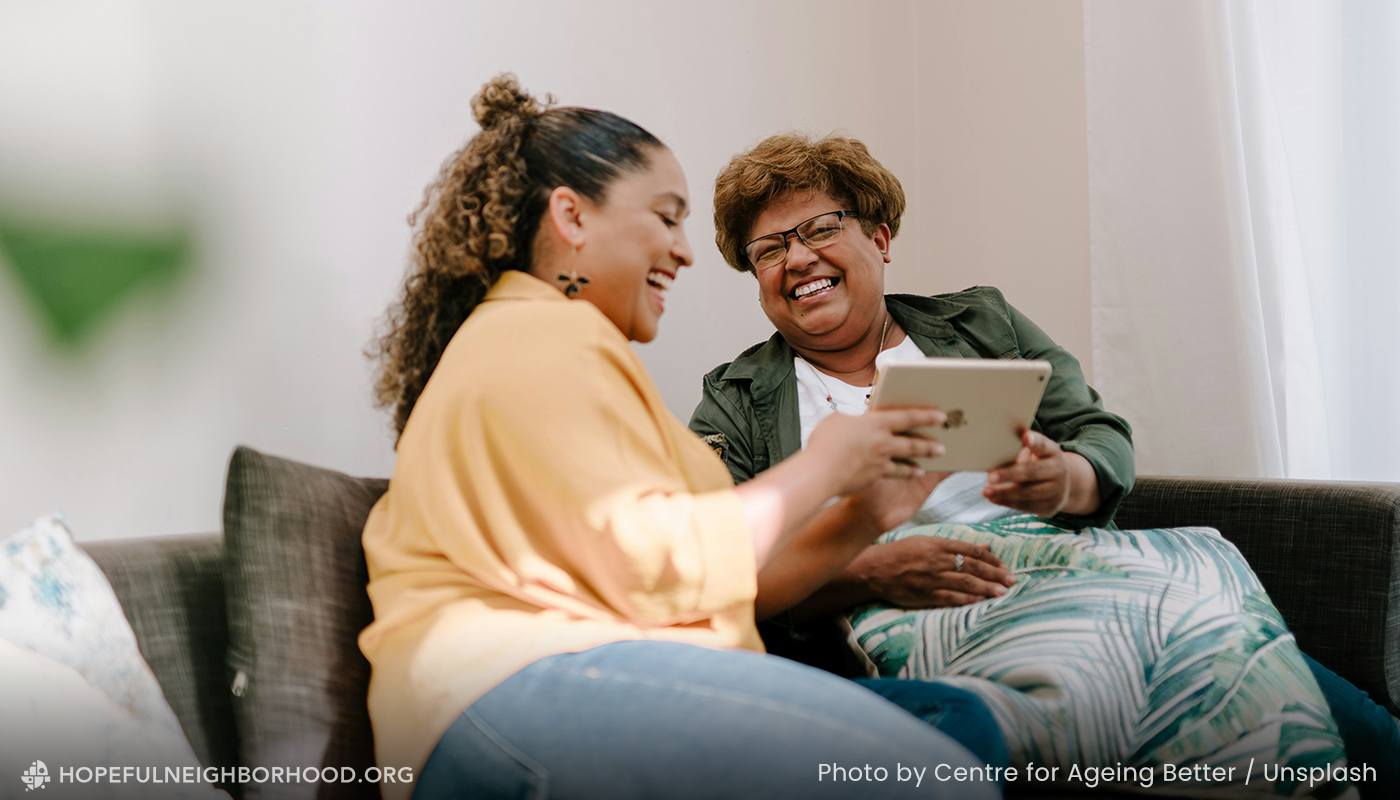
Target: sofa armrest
<point x="171" y="589"/>
<point x="1325" y="551"/>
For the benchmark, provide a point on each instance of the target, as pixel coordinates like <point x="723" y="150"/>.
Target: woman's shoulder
<point x="979" y="315"/>
<point x="535" y="345"/>
<point x="539" y="329"/>
<point x="951" y="304"/>
<point x="980" y="294"/>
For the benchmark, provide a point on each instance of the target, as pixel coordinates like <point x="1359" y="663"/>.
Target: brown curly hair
<point x="793" y="162"/>
<point x="480" y="217"/>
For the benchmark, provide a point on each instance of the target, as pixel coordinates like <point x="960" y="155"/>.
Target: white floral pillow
<point x="73" y="685"/>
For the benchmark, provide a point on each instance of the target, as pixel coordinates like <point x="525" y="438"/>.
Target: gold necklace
<point x="883" y="333"/>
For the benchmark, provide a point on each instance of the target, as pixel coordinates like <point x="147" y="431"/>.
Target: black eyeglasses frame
<point x="841" y="216"/>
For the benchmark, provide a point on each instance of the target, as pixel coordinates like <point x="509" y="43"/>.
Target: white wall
<point x="298" y="135"/>
<point x="1001" y="188"/>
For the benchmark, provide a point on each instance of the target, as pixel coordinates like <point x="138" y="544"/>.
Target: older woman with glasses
<point x="813" y="221"/>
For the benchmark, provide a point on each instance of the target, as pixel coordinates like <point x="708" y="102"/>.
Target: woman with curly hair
<point x="562" y="575"/>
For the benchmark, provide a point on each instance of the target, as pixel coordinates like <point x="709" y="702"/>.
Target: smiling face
<point x="822" y="300"/>
<point x="632" y="245"/>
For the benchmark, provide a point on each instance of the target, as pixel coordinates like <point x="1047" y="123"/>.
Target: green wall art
<point x="75" y="275"/>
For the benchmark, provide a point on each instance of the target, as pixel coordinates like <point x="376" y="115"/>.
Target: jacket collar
<point x="925" y="315"/>
<point x="766" y="365"/>
<point x="769" y="364"/>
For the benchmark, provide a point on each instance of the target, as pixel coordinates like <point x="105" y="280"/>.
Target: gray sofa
<point x="288" y="674"/>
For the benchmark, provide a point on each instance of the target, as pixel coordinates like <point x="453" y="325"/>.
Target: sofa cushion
<point x="295" y="582"/>
<point x="74" y="689"/>
<point x="172" y="591"/>
<point x="1145" y="647"/>
<point x="1327" y="551"/>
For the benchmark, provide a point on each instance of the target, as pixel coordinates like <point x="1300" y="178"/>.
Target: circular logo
<point x="36" y="776"/>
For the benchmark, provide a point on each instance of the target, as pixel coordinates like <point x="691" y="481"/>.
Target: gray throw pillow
<point x="295" y="585"/>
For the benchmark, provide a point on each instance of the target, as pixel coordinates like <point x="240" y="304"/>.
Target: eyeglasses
<point x="769" y="251"/>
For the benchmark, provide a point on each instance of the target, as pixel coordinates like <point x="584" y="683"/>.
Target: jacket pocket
<point x="1004" y="347"/>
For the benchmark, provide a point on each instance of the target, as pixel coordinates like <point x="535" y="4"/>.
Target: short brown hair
<point x="793" y="162"/>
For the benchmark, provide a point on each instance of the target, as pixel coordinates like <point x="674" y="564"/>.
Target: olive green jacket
<point x="749" y="412"/>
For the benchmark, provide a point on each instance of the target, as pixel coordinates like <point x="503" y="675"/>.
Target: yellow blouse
<point x="544" y="501"/>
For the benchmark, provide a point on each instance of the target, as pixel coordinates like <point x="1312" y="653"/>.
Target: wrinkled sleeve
<point x="721" y="423"/>
<point x="1072" y="414"/>
<point x="588" y="494"/>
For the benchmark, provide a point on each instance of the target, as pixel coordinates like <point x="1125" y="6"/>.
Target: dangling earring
<point x="575" y="282"/>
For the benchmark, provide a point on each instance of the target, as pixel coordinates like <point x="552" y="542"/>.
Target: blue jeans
<point x="1368" y="731"/>
<point x="957" y="712"/>
<point x="664" y="720"/>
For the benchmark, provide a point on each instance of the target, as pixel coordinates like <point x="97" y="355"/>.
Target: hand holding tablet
<point x="988" y="402"/>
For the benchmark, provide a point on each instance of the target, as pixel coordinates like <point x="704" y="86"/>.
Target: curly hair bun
<point x="500" y="99"/>
<point x="479" y="218"/>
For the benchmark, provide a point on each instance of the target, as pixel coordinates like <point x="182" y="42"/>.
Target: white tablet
<point x="987" y="401"/>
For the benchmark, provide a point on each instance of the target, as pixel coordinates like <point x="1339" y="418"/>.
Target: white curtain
<point x="1244" y="184"/>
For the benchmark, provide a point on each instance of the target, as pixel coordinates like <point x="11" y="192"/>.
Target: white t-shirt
<point x="958" y="498"/>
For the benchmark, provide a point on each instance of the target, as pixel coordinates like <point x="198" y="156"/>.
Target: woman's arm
<point x="574" y="468"/>
<point x="820" y="572"/>
<point x="913" y="572"/>
<point x="838" y="534"/>
<point x="846" y="455"/>
<point x="1045" y="480"/>
<point x="825" y="568"/>
<point x="1097" y="445"/>
<point x="720" y="420"/>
